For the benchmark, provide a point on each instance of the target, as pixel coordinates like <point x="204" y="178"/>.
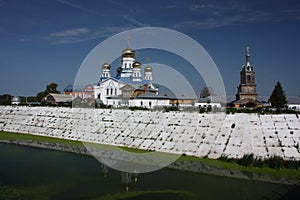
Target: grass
<point x="276" y="173"/>
<point x="20" y="136"/>
<point x="134" y="150"/>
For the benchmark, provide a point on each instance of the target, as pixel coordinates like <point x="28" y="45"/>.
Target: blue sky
<point x="46" y="41"/>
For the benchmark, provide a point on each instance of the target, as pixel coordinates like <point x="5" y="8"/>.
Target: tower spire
<point x="247" y="56"/>
<point x="247" y="50"/>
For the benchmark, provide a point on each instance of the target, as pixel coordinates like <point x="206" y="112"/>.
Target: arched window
<point x="111" y="91"/>
<point x="248" y="78"/>
<point x="107" y="91"/>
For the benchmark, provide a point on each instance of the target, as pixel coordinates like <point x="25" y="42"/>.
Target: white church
<point x="132" y="85"/>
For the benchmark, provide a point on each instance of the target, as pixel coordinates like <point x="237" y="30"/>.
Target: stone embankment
<point x="201" y="135"/>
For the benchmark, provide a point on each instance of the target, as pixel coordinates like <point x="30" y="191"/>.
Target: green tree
<point x="5" y="99"/>
<point x="40" y="96"/>
<point x="278" y="98"/>
<point x="50" y="88"/>
<point x="206" y="92"/>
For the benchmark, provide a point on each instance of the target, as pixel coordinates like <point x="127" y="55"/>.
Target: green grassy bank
<point x="232" y="165"/>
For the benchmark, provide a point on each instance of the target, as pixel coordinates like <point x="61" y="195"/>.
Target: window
<point x="115" y="91"/>
<point x="248" y="78"/>
<point x="141" y="103"/>
<point x="111" y="91"/>
<point x="107" y="91"/>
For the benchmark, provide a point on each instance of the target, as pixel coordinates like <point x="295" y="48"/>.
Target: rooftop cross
<point x="128" y="40"/>
<point x="247" y="50"/>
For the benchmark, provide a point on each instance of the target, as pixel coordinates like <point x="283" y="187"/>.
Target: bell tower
<point x="246" y="92"/>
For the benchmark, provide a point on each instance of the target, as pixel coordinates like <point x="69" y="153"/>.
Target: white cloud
<point x="70" y="32"/>
<point x="72" y="36"/>
<point x="134" y="21"/>
<point x="227" y="13"/>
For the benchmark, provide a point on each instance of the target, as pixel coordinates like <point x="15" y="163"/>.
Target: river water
<point x="34" y="173"/>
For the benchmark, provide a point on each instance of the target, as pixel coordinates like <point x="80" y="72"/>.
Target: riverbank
<point x="186" y="163"/>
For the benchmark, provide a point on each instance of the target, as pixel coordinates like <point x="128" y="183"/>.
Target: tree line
<point x="5" y="99"/>
<point x="277" y="99"/>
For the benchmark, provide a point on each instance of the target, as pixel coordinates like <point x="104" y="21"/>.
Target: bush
<point x="171" y="108"/>
<point x="223" y="158"/>
<point x="132" y="108"/>
<point x="291" y="164"/>
<point x="202" y="110"/>
<point x="258" y="163"/>
<point x="275" y="162"/>
<point x="247" y="160"/>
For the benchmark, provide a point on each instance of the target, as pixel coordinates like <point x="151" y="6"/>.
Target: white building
<point x="294" y="103"/>
<point x="132" y="85"/>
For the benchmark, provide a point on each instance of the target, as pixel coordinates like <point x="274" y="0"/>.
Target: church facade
<point x="132" y="85"/>
<point x="246" y="92"/>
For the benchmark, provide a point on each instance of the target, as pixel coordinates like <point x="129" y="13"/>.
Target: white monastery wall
<point x="193" y="134"/>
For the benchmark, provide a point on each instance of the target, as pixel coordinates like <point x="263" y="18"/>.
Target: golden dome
<point x="136" y="64"/>
<point x="106" y="65"/>
<point x="148" y="69"/>
<point x="128" y="52"/>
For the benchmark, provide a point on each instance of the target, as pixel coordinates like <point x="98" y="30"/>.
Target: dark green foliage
<point x="171" y="108"/>
<point x="206" y="92"/>
<point x="258" y="163"/>
<point x="5" y="99"/>
<point x="224" y="158"/>
<point x="276" y="162"/>
<point x="261" y="111"/>
<point x="247" y="160"/>
<point x="292" y="164"/>
<point x="50" y="88"/>
<point x="31" y="99"/>
<point x="9" y="193"/>
<point x="40" y="96"/>
<point x="201" y="109"/>
<point x="101" y="105"/>
<point x="278" y="98"/>
<point x="137" y="108"/>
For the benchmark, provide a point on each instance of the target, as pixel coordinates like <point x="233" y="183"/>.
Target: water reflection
<point x="127" y="178"/>
<point x="114" y="157"/>
<point x="52" y="174"/>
